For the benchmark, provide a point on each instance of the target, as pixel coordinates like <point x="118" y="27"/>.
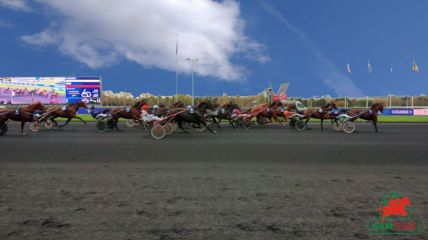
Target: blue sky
<point x="243" y="46"/>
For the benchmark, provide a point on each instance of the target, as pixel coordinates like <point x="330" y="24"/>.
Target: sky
<point x="242" y="47"/>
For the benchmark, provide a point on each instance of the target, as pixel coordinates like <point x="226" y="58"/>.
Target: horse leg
<point x="115" y="121"/>
<point x="375" y="125"/>
<point x="306" y="123"/>
<point x="81" y="120"/>
<point x="54" y="122"/>
<point x="205" y="124"/>
<point x="22" y="128"/>
<point x="215" y="122"/>
<point x="322" y="123"/>
<point x="180" y="125"/>
<point x="231" y="123"/>
<point x="66" y="123"/>
<point x="276" y="118"/>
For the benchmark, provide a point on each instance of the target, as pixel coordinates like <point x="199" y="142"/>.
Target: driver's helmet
<point x="146" y="107"/>
<point x="155" y="106"/>
<point x="161" y="105"/>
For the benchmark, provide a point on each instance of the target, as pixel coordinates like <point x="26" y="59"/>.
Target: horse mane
<point x="136" y="104"/>
<point x="200" y="104"/>
<point x="326" y="106"/>
<point x="374" y="105"/>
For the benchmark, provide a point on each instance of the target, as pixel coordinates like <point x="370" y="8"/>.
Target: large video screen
<point x="49" y="90"/>
<point x="87" y="89"/>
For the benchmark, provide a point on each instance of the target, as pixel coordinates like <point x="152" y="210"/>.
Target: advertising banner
<point x="421" y="112"/>
<point x="398" y="111"/>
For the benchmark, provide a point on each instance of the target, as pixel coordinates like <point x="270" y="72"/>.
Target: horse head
<point x="36" y="106"/>
<point x="178" y="104"/>
<point x="206" y="105"/>
<point x="80" y="104"/>
<point x="139" y="104"/>
<point x="378" y="107"/>
<point x="291" y="106"/>
<point x="327" y="106"/>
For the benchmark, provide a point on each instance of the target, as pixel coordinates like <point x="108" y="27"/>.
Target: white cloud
<point x="15" y="4"/>
<point x="100" y="33"/>
<point x="326" y="70"/>
<point x="44" y="38"/>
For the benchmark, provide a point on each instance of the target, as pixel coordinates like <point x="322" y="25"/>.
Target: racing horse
<point x="321" y="113"/>
<point x="68" y="112"/>
<point x="268" y="111"/>
<point x="133" y="112"/>
<point x="225" y="113"/>
<point x="367" y="114"/>
<point x="193" y="116"/>
<point x="22" y="114"/>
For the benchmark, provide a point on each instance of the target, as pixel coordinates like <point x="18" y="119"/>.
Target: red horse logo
<point x="395" y="207"/>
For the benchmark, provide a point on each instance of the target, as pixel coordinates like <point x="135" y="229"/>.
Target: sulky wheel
<point x="246" y="123"/>
<point x="337" y="125"/>
<point x="130" y="123"/>
<point x="349" y="127"/>
<point x="300" y="125"/>
<point x="34" y="126"/>
<point x="102" y="126"/>
<point x="199" y="127"/>
<point x="169" y="128"/>
<point x="48" y="124"/>
<point x="158" y="132"/>
<point x="3" y="129"/>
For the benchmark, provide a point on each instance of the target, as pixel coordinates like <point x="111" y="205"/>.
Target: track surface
<point x="262" y="183"/>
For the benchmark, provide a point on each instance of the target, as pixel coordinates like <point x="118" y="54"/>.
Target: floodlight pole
<point x="193" y="60"/>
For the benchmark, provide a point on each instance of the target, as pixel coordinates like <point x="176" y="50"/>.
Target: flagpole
<point x="176" y="70"/>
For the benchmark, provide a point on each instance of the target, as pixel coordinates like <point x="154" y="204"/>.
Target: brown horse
<point x="268" y="111"/>
<point x="133" y="112"/>
<point x="68" y="112"/>
<point x="22" y="114"/>
<point x="321" y="113"/>
<point x="224" y="113"/>
<point x="367" y="114"/>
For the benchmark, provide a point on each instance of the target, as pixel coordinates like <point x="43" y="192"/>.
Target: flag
<point x="369" y="67"/>
<point x="415" y="67"/>
<point x="348" y="68"/>
<point x="390" y="67"/>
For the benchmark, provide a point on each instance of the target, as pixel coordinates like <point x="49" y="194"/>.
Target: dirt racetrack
<point x="262" y="183"/>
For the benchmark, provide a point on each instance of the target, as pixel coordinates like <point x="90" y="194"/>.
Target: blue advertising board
<point x="398" y="111"/>
<point x="87" y="89"/>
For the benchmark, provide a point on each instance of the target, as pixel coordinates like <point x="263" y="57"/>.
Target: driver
<point x="146" y="116"/>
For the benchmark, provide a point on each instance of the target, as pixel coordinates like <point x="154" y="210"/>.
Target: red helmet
<point x="145" y="107"/>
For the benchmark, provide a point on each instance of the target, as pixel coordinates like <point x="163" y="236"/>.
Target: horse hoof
<point x="23" y="134"/>
<point x="214" y="132"/>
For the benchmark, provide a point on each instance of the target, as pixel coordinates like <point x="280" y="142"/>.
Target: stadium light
<point x="193" y="60"/>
